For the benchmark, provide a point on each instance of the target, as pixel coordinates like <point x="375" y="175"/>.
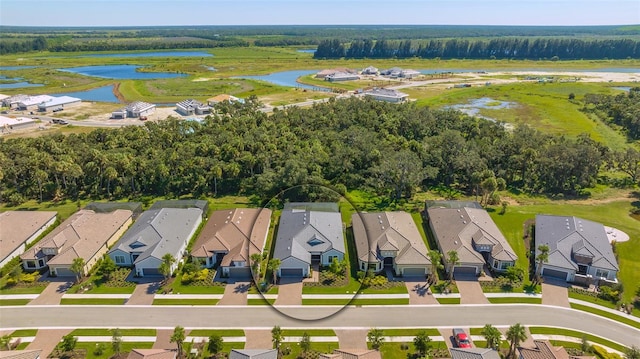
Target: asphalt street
<point x="351" y="317"/>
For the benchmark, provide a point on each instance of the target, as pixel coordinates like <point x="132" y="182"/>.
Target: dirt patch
<point x="117" y="94"/>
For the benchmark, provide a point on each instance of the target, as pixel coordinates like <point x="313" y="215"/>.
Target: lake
<point x="9" y="68"/>
<point x="122" y="72"/>
<point x="307" y="51"/>
<point x="100" y="94"/>
<point x="154" y="54"/>
<point x="287" y="78"/>
<point x="15" y="85"/>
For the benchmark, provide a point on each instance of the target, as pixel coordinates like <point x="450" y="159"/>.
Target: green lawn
<point x="319" y="347"/>
<point x="410" y="332"/>
<point x="260" y="301"/>
<point x="401" y="301"/>
<point x="500" y="300"/>
<point x="9" y="302"/>
<point x="598" y="301"/>
<point x="577" y="334"/>
<point x="23" y="290"/>
<point x="311" y="332"/>
<point x="448" y="300"/>
<point x="605" y="314"/>
<point x="24" y="333"/>
<point x="92" y="301"/>
<point x="108" y="351"/>
<point x="220" y="332"/>
<point x="109" y="332"/>
<point x="185" y="301"/>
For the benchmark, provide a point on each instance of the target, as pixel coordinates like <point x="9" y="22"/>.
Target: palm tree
<point x="515" y="334"/>
<point x="276" y="338"/>
<point x="543" y="257"/>
<point x="453" y="260"/>
<point x="166" y="265"/>
<point x="492" y="335"/>
<point x="256" y="258"/>
<point x="273" y="265"/>
<point x="178" y="337"/>
<point x="376" y="338"/>
<point x="77" y="267"/>
<point x="436" y="264"/>
<point x="422" y="342"/>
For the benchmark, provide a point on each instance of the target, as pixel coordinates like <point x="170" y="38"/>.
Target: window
<point x="602" y="273"/>
<point x="41" y="262"/>
<point x="505" y="265"/>
<point x="31" y="264"/>
<point x="119" y="259"/>
<point x="331" y="258"/>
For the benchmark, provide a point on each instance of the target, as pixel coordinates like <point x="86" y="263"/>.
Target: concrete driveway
<point x="555" y="292"/>
<point x="47" y="339"/>
<point x="235" y="294"/>
<point x="470" y="290"/>
<point x="352" y="339"/>
<point x="289" y="292"/>
<point x="419" y="292"/>
<point x="257" y="339"/>
<point x="163" y="339"/>
<point x="52" y="294"/>
<point x="144" y="293"/>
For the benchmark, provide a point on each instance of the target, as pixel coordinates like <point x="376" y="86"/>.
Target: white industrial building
<point x="388" y="95"/>
<point x="59" y="103"/>
<point x="192" y="107"/>
<point x="13" y="101"/>
<point x="32" y="102"/>
<point x="8" y="123"/>
<point x="134" y="109"/>
<point x="341" y="76"/>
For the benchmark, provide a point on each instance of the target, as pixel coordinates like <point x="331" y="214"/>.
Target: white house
<point x="341" y="76"/>
<point x="308" y="233"/>
<point x="388" y="95"/>
<point x="192" y="107"/>
<point x="155" y="233"/>
<point x="20" y="228"/>
<point x="134" y="109"/>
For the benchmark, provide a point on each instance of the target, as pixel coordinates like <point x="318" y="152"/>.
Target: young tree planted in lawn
<point x="215" y="344"/>
<point x="107" y="267"/>
<point x="178" y="337"/>
<point x="338" y="266"/>
<point x="515" y="335"/>
<point x="273" y="265"/>
<point x="492" y="335"/>
<point x="543" y="257"/>
<point x="422" y="342"/>
<point x="116" y="342"/>
<point x="376" y="338"/>
<point x="165" y="266"/>
<point x="436" y="264"/>
<point x="453" y="259"/>
<point x="68" y="343"/>
<point x="77" y="267"/>
<point x="305" y="342"/>
<point x="276" y="338"/>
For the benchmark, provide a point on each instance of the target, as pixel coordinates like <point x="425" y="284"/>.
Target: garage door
<point x="64" y="272"/>
<point x="240" y="272"/>
<point x="413" y="272"/>
<point x="464" y="271"/>
<point x="291" y="272"/>
<point x="151" y="272"/>
<point x="554" y="273"/>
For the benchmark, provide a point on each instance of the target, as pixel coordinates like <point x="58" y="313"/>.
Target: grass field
<point x="185" y="301"/>
<point x="108" y="351"/>
<point x="109" y="332"/>
<point x="92" y="301"/>
<point x="519" y="300"/>
<point x="606" y="314"/>
<point x="577" y="334"/>
<point x="10" y="302"/>
<point x="220" y="332"/>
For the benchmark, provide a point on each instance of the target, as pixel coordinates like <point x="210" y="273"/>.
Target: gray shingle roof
<point x="301" y="231"/>
<point x="159" y="231"/>
<point x="567" y="236"/>
<point x="474" y="353"/>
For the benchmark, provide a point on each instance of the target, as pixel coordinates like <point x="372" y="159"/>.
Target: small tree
<point x="515" y="274"/>
<point x="632" y="353"/>
<point x="68" y="343"/>
<point x="165" y="267"/>
<point x="543" y="257"/>
<point x="107" y="267"/>
<point x="436" y="264"/>
<point x="276" y="338"/>
<point x="77" y="267"/>
<point x="492" y="335"/>
<point x="5" y="341"/>
<point x="273" y="265"/>
<point x="256" y="258"/>
<point x="305" y="342"/>
<point x="116" y="342"/>
<point x="453" y="260"/>
<point x="422" y="342"/>
<point x="515" y="334"/>
<point x="216" y="344"/>
<point x="585" y="346"/>
<point x="338" y="266"/>
<point x="376" y="338"/>
<point x="178" y="337"/>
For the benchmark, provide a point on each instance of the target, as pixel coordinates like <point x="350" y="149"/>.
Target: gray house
<point x="308" y="233"/>
<point x="579" y="250"/>
<point x="155" y="233"/>
<point x="253" y="354"/>
<point x="474" y="353"/>
<point x="390" y="239"/>
<point x="473" y="235"/>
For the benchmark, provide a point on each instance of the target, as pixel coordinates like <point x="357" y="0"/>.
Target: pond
<point x="9" y="68"/>
<point x="14" y="85"/>
<point x="441" y="71"/>
<point x="122" y="72"/>
<point x="473" y="107"/>
<point x="287" y="78"/>
<point x="154" y="54"/>
<point x="307" y="51"/>
<point x="100" y="94"/>
<point x="15" y="82"/>
<point x="622" y="88"/>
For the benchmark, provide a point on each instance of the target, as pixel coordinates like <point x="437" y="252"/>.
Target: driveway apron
<point x="52" y="294"/>
<point x="143" y="294"/>
<point x="419" y="292"/>
<point x="235" y="294"/>
<point x="352" y="339"/>
<point x="163" y="339"/>
<point x="289" y="292"/>
<point x="47" y="339"/>
<point x="257" y="339"/>
<point x="470" y="291"/>
<point x="555" y="293"/>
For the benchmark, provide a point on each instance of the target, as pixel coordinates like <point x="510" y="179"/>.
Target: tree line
<point x="620" y="110"/>
<point x="390" y="149"/>
<point x="496" y="48"/>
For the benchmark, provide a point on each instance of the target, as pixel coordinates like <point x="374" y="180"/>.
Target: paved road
<point x="350" y="317"/>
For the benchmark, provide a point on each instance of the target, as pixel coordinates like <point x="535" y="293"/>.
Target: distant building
<point x="545" y="350"/>
<point x="223" y="97"/>
<point x="13" y="101"/>
<point x="352" y="354"/>
<point x="192" y="107"/>
<point x="324" y="73"/>
<point x="393" y="72"/>
<point x="134" y="110"/>
<point x="388" y="95"/>
<point x="253" y="354"/>
<point x="152" y="354"/>
<point x="474" y="353"/>
<point x="341" y="76"/>
<point x="370" y="71"/>
<point x="59" y="103"/>
<point x="33" y="102"/>
<point x="409" y="74"/>
<point x="10" y="123"/>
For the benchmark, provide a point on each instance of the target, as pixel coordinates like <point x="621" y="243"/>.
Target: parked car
<point x="57" y="109"/>
<point x="59" y="121"/>
<point x="461" y="338"/>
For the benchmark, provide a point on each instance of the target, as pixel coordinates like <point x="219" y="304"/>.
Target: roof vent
<point x="464" y="222"/>
<point x="461" y="216"/>
<point x="382" y="227"/>
<point x="455" y="242"/>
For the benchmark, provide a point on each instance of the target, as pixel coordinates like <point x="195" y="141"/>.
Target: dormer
<point x="481" y="241"/>
<point x="314" y="241"/>
<point x="581" y="254"/>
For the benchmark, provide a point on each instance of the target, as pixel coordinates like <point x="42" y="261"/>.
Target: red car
<point x="461" y="338"/>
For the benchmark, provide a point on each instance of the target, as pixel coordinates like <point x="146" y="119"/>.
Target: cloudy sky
<point x="317" y="12"/>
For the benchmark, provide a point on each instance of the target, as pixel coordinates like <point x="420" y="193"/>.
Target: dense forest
<point x="27" y="39"/>
<point x="390" y="149"/>
<point x="498" y="48"/>
<point x="622" y="110"/>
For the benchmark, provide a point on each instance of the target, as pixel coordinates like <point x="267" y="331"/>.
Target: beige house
<point x="152" y="354"/>
<point x="390" y="239"/>
<point x="230" y="237"/>
<point x="20" y="228"/>
<point x="352" y="354"/>
<point x="545" y="350"/>
<point x="470" y="232"/>
<point x="86" y="234"/>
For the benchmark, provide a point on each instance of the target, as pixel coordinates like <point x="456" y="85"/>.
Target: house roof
<point x="389" y="231"/>
<point x="191" y="103"/>
<point x="459" y="228"/>
<point x="57" y="101"/>
<point x="20" y="354"/>
<point x="18" y="226"/>
<point x="152" y="354"/>
<point x="239" y="232"/>
<point x="474" y="353"/>
<point x="10" y="121"/>
<point x="352" y="354"/>
<point x="223" y="97"/>
<point x="253" y="354"/>
<point x="544" y="350"/>
<point x="35" y="100"/>
<point x="158" y="232"/>
<point x="81" y="235"/>
<point x="302" y="230"/>
<point x="385" y="93"/>
<point x="568" y="236"/>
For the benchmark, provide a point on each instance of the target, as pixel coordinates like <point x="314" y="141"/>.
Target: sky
<point x="317" y="12"/>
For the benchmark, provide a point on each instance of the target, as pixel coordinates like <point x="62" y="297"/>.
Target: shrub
<point x="28" y="277"/>
<point x="610" y="294"/>
<point x="602" y="353"/>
